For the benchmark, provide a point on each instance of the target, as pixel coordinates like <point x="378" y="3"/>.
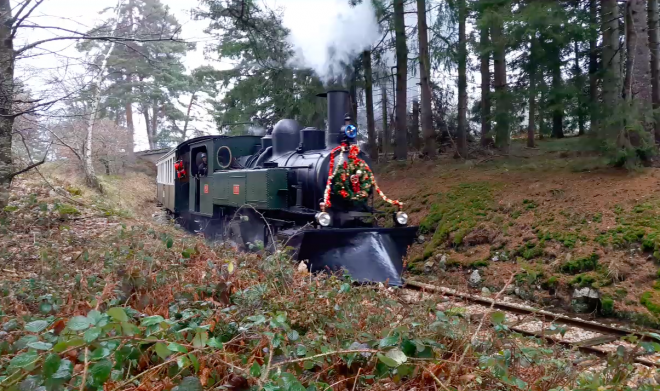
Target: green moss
<point x="584" y="280"/>
<point x="620" y="293"/>
<point x="529" y="204"/>
<point x="479" y="264"/>
<point x="581" y="265"/>
<point x="66" y="210"/>
<point x="651" y="300"/>
<point x="74" y="190"/>
<point x="607" y="305"/>
<point x="598" y="218"/>
<point x="550" y="283"/>
<point x="456" y="212"/>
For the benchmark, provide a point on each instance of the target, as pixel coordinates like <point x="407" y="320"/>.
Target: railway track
<point x="587" y="336"/>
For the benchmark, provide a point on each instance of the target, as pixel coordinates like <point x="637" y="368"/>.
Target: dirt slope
<point x="578" y="235"/>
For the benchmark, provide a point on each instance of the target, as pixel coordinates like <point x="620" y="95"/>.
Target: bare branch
<point x="92" y="38"/>
<point x="17" y="22"/>
<point x="33" y="165"/>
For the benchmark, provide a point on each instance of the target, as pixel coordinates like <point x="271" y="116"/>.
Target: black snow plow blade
<point x="366" y="254"/>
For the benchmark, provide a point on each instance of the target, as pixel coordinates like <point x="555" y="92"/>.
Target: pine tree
<point x="401" y="148"/>
<point x="654" y="46"/>
<point x="428" y="133"/>
<point x="462" y="81"/>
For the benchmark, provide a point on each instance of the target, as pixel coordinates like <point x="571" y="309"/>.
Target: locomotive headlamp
<point x="401" y="218"/>
<point x="324" y="219"/>
<point x="350" y="131"/>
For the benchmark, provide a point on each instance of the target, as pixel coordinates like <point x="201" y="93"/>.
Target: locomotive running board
<point x="366" y="254"/>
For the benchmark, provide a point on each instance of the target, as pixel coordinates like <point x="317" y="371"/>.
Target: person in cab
<point x="203" y="168"/>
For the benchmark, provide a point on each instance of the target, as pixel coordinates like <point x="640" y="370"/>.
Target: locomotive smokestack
<point x="337" y="108"/>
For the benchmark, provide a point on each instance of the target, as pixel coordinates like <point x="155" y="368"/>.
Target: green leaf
<point x="152" y="320"/>
<point x="498" y="317"/>
<point x="215" y="343"/>
<point x="101" y="372"/>
<point x="91" y="334"/>
<point x="36" y="326"/>
<point x="45" y="307"/>
<point x="397" y="356"/>
<point x="387" y="361"/>
<point x="175" y="347"/>
<point x="64" y="371"/>
<point x="388" y="341"/>
<point x="293" y="335"/>
<point x="95" y="317"/>
<point x="162" y="351"/>
<point x="118" y="314"/>
<point x="301" y="350"/>
<point x="24" y="360"/>
<point x="51" y="365"/>
<point x="309" y="365"/>
<point x="190" y="383"/>
<point x="40" y="345"/>
<point x="200" y="339"/>
<point x="182" y="362"/>
<point x="129" y="329"/>
<point x="100" y="353"/>
<point x="78" y="323"/>
<point x="169" y="243"/>
<point x="194" y="361"/>
<point x="255" y="370"/>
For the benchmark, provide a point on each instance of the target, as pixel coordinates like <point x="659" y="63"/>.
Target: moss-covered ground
<point x="557" y="220"/>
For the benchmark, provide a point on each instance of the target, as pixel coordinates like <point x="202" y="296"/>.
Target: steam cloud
<point x="330" y="34"/>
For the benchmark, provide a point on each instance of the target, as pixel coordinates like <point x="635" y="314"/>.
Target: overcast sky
<point x="58" y="59"/>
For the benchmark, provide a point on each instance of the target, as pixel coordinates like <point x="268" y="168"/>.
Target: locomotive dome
<point x="286" y="136"/>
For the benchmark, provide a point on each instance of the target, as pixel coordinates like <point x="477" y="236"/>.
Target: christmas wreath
<point x="351" y="178"/>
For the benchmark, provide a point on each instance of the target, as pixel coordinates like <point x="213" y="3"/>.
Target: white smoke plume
<point x="330" y="34"/>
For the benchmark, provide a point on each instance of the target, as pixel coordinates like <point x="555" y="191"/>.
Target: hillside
<point x="559" y="219"/>
<point x="96" y="292"/>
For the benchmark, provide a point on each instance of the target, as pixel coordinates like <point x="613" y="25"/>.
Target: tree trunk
<point x="580" y="87"/>
<point x="415" y="125"/>
<point x="154" y="124"/>
<point x="88" y="165"/>
<point x="6" y="101"/>
<point x="369" y="97"/>
<point x="147" y="124"/>
<point x="386" y="127"/>
<point x="485" y="88"/>
<point x="401" y="150"/>
<point x="557" y="104"/>
<point x="428" y="133"/>
<point x="541" y="110"/>
<point x="461" y="143"/>
<point x="502" y="99"/>
<point x="638" y="72"/>
<point x="184" y="132"/>
<point x="654" y="42"/>
<point x="130" y="147"/>
<point x="593" y="66"/>
<point x="353" y="92"/>
<point x="531" y="127"/>
<point x="611" y="64"/>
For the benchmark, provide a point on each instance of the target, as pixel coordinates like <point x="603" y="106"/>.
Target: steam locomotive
<point x="309" y="188"/>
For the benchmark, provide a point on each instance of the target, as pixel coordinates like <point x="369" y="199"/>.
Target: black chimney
<point x="337" y="109"/>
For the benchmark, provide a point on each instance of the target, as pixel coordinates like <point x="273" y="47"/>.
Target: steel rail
<point x="609" y="333"/>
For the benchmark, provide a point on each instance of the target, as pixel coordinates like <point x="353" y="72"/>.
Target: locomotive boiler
<point x="308" y="188"/>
